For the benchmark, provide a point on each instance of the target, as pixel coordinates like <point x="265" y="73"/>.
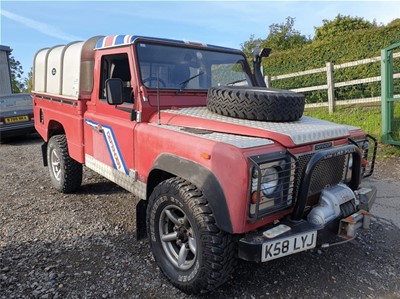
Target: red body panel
<point x="68" y="115"/>
<point x="123" y="129"/>
<point x="152" y="140"/>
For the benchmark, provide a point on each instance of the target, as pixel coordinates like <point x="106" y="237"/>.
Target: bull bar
<point x="305" y="180"/>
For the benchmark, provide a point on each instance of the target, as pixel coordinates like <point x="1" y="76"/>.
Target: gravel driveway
<point x="83" y="245"/>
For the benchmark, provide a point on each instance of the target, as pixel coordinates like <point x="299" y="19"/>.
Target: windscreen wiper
<point x="237" y="81"/>
<point x="183" y="84"/>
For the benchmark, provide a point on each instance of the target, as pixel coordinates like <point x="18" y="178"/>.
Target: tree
<point x="395" y="22"/>
<point x="28" y="82"/>
<point x="283" y="36"/>
<point x="16" y="75"/>
<point x="341" y="24"/>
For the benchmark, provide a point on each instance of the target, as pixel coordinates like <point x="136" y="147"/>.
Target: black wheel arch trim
<point x="203" y="179"/>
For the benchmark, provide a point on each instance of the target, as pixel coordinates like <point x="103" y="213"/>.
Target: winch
<point x="336" y="201"/>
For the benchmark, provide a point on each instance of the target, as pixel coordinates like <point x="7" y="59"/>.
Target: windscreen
<point x="173" y="67"/>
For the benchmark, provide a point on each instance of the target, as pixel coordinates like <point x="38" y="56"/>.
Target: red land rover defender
<point x="220" y="166"/>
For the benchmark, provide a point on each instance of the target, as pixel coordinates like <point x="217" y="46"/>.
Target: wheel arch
<point x="54" y="128"/>
<point x="167" y="166"/>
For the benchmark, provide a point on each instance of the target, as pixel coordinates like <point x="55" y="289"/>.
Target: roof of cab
<point x="119" y="40"/>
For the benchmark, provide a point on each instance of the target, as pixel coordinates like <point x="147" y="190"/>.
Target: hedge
<point x="343" y="48"/>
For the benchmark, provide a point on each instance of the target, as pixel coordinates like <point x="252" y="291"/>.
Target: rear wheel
<point x="194" y="254"/>
<point x="65" y="172"/>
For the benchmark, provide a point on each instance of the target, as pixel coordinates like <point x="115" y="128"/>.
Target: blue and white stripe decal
<point x="120" y="40"/>
<point x="112" y="145"/>
<point x="92" y="124"/>
<point x="114" y="40"/>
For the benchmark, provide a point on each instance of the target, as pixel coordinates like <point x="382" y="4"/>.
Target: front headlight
<point x="269" y="181"/>
<point x="365" y="148"/>
<point x="272" y="183"/>
<point x="363" y="145"/>
<point x="270" y="177"/>
<point x="350" y="163"/>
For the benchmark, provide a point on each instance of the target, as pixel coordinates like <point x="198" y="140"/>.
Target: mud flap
<point x="44" y="153"/>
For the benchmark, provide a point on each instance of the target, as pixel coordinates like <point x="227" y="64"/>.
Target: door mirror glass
<point x="114" y="91"/>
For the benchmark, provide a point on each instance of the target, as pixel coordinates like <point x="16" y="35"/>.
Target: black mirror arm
<point x="258" y="54"/>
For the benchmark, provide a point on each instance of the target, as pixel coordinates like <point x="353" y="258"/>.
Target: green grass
<point x="367" y="118"/>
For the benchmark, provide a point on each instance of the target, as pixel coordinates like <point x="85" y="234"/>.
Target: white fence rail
<point x="331" y="84"/>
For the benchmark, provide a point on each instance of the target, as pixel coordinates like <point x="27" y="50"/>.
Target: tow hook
<point x="348" y="226"/>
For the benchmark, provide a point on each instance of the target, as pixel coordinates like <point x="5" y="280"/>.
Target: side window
<point x="116" y="66"/>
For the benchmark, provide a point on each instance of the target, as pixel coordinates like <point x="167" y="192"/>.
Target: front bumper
<point x="299" y="235"/>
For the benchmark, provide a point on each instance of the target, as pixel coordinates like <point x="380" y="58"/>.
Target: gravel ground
<point x="83" y="245"/>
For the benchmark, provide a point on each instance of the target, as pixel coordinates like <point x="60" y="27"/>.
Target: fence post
<point x="267" y="80"/>
<point x="330" y="86"/>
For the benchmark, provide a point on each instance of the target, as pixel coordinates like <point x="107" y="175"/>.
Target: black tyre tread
<point x="220" y="249"/>
<point x="72" y="170"/>
<point x="256" y="104"/>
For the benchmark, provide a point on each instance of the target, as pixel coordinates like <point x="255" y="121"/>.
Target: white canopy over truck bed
<point x="65" y="70"/>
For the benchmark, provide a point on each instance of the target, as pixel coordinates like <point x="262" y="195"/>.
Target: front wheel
<point x="65" y="172"/>
<point x="194" y="254"/>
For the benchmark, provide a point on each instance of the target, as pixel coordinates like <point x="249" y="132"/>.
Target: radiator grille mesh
<point x="328" y="172"/>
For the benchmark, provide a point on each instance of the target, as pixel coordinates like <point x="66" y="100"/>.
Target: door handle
<point x="98" y="129"/>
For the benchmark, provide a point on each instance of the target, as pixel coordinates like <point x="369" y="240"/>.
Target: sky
<point x="28" y="26"/>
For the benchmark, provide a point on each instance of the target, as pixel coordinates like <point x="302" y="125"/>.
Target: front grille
<point x="328" y="172"/>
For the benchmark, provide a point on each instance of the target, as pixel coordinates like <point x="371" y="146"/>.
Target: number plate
<point x="286" y="246"/>
<point x="16" y="119"/>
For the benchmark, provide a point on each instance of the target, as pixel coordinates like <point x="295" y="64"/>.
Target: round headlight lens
<point x="269" y="181"/>
<point x="350" y="161"/>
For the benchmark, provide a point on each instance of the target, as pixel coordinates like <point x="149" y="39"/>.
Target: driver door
<point x="109" y="131"/>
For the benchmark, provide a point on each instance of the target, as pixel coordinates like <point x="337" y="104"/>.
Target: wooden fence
<point x="331" y="84"/>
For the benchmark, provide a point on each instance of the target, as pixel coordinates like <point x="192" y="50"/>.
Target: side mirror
<point x="114" y="91"/>
<point x="260" y="52"/>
